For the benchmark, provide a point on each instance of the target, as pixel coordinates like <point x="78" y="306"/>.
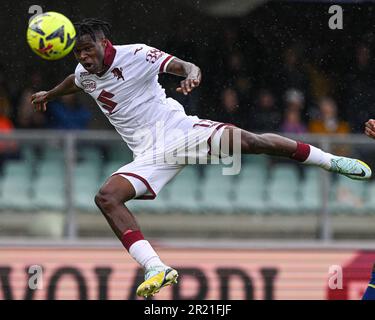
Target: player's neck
<point x="104" y="69"/>
<point x="109" y="56"/>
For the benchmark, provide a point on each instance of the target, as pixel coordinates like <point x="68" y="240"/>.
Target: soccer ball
<point x="51" y="35"/>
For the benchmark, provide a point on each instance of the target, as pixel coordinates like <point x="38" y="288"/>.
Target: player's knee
<point x="105" y="200"/>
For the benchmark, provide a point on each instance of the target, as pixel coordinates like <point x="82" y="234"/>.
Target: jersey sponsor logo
<point x="84" y="74"/>
<point x="153" y="55"/>
<point x="105" y="98"/>
<point x="118" y="73"/>
<point x="89" y="85"/>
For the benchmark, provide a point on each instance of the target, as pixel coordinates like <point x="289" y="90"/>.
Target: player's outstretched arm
<point x="370" y="128"/>
<point x="41" y="98"/>
<point x="185" y="69"/>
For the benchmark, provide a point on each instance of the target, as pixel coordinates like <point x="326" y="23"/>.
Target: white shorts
<point x="150" y="173"/>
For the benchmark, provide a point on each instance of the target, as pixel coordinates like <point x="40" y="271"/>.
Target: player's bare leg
<point x="276" y="145"/>
<point x="110" y="200"/>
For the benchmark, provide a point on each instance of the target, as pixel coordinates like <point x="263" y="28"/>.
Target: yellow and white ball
<point x="51" y="35"/>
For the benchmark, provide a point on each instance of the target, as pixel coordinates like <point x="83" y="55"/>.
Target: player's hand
<point x="39" y="100"/>
<point x="370" y="128"/>
<point x="190" y="83"/>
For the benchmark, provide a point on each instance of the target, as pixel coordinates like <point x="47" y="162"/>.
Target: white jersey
<point x="129" y="93"/>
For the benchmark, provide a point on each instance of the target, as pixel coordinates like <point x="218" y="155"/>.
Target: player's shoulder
<point x="79" y="68"/>
<point x="132" y="49"/>
<point x="80" y="71"/>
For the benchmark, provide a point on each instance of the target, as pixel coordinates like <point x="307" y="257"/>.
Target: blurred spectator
<point x="235" y="63"/>
<point x="244" y="86"/>
<point x="8" y="149"/>
<point x="6" y="125"/>
<point x="292" y="73"/>
<point x="321" y="85"/>
<point x="27" y="118"/>
<point x="266" y="115"/>
<point x="292" y="122"/>
<point x="4" y="101"/>
<point x="67" y="113"/>
<point x="6" y="93"/>
<point x="230" y="37"/>
<point x="238" y="73"/>
<point x="295" y="99"/>
<point x="230" y="112"/>
<point x="328" y="121"/>
<point x="35" y="79"/>
<point x="360" y="93"/>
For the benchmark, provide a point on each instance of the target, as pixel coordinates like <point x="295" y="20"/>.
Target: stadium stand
<point x="16" y="180"/>
<point x="262" y="187"/>
<point x="283" y="189"/>
<point x="48" y="186"/>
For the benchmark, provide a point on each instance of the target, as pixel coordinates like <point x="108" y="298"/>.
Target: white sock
<point x="319" y="158"/>
<point x="144" y="254"/>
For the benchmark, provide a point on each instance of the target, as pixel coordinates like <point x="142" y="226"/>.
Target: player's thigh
<point x="147" y="176"/>
<point x="117" y="188"/>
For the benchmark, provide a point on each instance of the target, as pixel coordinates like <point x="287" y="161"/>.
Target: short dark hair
<point x="91" y="26"/>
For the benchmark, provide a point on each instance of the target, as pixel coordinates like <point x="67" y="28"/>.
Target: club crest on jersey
<point x="89" y="85"/>
<point x="118" y="73"/>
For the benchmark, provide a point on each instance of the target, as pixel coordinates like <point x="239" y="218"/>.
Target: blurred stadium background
<point x="277" y="228"/>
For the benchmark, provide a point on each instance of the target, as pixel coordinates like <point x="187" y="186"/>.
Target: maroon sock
<point x="131" y="236"/>
<point x="302" y="152"/>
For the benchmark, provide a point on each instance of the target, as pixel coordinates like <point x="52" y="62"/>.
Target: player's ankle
<point x="308" y="154"/>
<point x="154" y="263"/>
<point x="328" y="163"/>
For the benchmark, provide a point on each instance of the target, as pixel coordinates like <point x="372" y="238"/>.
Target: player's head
<point x="91" y="43"/>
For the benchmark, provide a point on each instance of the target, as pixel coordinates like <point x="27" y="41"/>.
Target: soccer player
<point x="370" y="290"/>
<point x="123" y="80"/>
<point x="370" y="128"/>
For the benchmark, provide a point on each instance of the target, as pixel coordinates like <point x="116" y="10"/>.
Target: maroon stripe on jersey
<point x="109" y="54"/>
<point x="146" y="197"/>
<point x="161" y="69"/>
<point x="201" y="125"/>
<point x="151" y="196"/>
